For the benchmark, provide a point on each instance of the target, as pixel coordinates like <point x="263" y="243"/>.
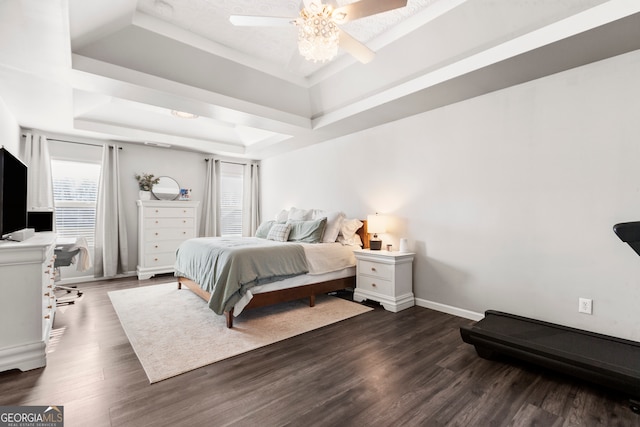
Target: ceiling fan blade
<point x="355" y="48"/>
<point x="362" y="8"/>
<point x="260" y="21"/>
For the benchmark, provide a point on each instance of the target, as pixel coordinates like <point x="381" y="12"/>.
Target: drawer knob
<point x="157" y="211"/>
<point x="373" y="285"/>
<point x="157" y="222"/>
<point x="47" y="294"/>
<point x="373" y="269"/>
<point x="184" y="221"/>
<point x="156" y="246"/>
<point x="47" y="317"/>
<point x="156" y="234"/>
<point x="155" y="259"/>
<point x="49" y="307"/>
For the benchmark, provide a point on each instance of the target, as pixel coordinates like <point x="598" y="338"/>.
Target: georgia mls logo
<point x="31" y="416"/>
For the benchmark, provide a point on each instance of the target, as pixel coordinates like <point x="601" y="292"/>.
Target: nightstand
<point x="385" y="277"/>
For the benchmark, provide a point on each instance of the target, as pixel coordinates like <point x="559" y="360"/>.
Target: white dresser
<point x="162" y="226"/>
<point x="386" y="277"/>
<point x="27" y="304"/>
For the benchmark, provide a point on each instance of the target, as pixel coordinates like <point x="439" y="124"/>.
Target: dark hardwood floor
<point x="377" y="369"/>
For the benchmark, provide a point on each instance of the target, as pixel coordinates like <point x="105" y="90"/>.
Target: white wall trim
<point x="86" y="279"/>
<point x="460" y="312"/>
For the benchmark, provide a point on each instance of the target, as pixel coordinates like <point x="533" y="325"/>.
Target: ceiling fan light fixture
<point x="318" y="35"/>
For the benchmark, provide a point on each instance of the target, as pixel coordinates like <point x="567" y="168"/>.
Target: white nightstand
<point x="385" y="277"/>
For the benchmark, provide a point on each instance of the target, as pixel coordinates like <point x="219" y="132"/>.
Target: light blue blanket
<point x="227" y="266"/>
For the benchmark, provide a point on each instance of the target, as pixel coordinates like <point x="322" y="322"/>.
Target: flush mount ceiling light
<point x="184" y="115"/>
<point x="318" y="33"/>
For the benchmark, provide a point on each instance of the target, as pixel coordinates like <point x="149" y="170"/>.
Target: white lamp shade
<point x="376" y="224"/>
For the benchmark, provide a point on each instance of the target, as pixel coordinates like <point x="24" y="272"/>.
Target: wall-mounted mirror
<point x="166" y="189"/>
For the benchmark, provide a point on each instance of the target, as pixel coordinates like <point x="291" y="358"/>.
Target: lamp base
<point x="375" y="244"/>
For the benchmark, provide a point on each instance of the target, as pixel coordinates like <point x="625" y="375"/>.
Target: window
<point x="231" y="184"/>
<point x="75" y="193"/>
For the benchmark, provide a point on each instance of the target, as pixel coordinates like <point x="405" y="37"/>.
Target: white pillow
<point x="334" y="222"/>
<point x="349" y="227"/>
<point x="296" y="214"/>
<point x="355" y="240"/>
<point x="282" y="216"/>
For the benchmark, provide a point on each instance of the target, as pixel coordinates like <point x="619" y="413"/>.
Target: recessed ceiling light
<point x="184" y="114"/>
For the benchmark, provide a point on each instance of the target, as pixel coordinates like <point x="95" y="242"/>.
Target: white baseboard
<point x="85" y="279"/>
<point x="460" y="312"/>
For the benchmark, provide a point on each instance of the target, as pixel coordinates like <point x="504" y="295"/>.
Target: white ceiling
<point x="115" y="70"/>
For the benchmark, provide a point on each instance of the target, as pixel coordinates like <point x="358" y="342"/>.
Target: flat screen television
<point x="13" y="193"/>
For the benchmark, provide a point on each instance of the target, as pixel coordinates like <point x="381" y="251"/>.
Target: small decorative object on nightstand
<point x="385" y="277"/>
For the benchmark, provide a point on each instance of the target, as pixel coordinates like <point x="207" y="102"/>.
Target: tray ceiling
<point x="115" y="70"/>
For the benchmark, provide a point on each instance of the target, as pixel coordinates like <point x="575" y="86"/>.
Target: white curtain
<point x="210" y="222"/>
<point x="251" y="203"/>
<point x="111" y="252"/>
<point x="39" y="181"/>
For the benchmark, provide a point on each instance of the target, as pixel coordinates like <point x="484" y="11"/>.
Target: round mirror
<point x="166" y="189"/>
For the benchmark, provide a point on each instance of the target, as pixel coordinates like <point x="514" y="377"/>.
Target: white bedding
<point x="326" y="261"/>
<point x="327" y="257"/>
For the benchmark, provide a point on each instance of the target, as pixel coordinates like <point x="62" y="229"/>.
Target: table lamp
<point x="375" y="224"/>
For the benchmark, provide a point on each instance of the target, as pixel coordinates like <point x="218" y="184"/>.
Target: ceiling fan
<point x="318" y="26"/>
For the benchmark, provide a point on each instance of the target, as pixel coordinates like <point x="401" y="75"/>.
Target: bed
<point x="200" y="268"/>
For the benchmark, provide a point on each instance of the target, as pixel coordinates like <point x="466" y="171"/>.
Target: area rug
<point x="173" y="331"/>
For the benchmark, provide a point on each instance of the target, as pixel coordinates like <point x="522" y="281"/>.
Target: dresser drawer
<point x="153" y="223"/>
<point x="375" y="269"/>
<point x="377" y="285"/>
<point x="169" y="234"/>
<point x="162" y="246"/>
<point x="169" y="212"/>
<point x="159" y="260"/>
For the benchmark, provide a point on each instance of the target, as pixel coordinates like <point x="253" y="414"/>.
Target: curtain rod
<point x="74" y="142"/>
<point x="233" y="163"/>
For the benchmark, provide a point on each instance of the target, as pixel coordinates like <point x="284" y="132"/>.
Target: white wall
<point x="508" y="199"/>
<point x="9" y="130"/>
<point x="187" y="168"/>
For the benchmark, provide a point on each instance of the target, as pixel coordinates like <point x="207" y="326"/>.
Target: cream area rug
<point x="173" y="331"/>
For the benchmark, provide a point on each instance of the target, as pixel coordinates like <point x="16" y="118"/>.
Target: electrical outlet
<point x="585" y="305"/>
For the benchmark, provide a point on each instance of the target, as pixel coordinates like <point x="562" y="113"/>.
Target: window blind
<point x="75" y="193"/>
<point x="231" y="189"/>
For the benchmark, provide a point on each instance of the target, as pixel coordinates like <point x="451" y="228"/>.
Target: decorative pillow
<point x="263" y="230"/>
<point x="353" y="241"/>
<point x="334" y="222"/>
<point x="279" y="232"/>
<point x="307" y="231"/>
<point x="282" y="216"/>
<point x="349" y="227"/>
<point x="296" y="214"/>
